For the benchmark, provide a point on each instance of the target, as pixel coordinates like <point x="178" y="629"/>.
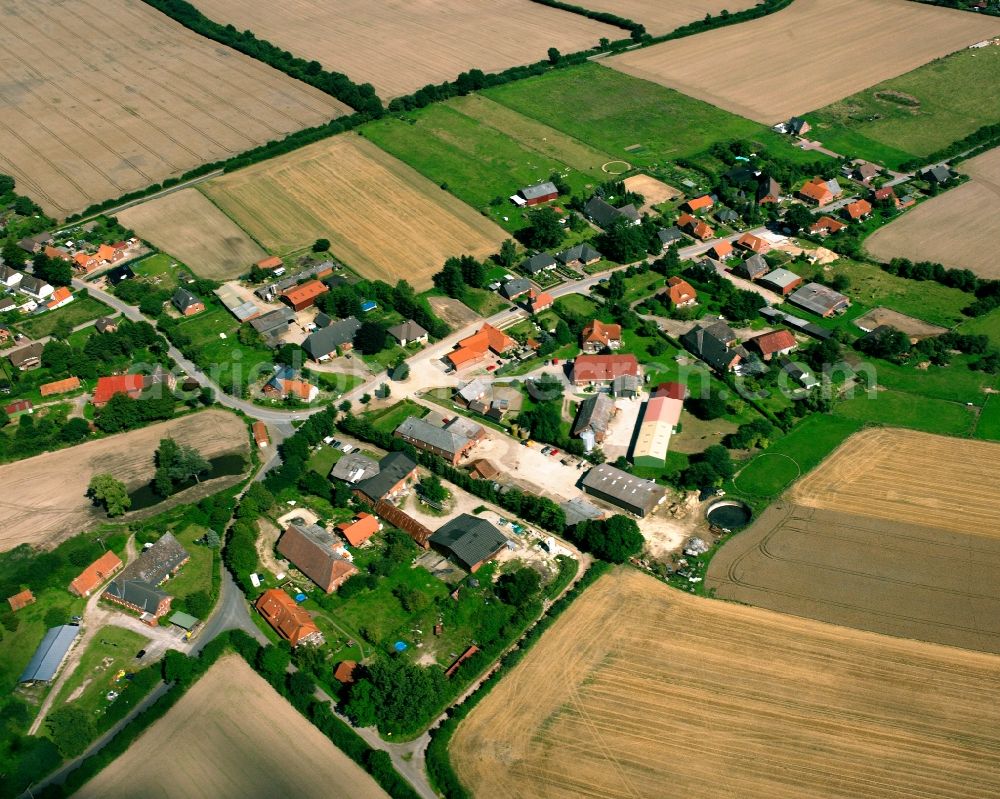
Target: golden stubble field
<point x="102" y="98"/>
<point x="642" y="691"/>
<point x="400" y="46"/>
<point x="959" y="228"/>
<point x="661" y="17"/>
<point x="807" y="55"/>
<point x="895" y="532"/>
<point x="232" y="735"/>
<point x="383" y="218"/>
<point x="187" y="225"/>
<point x="43" y="499"/>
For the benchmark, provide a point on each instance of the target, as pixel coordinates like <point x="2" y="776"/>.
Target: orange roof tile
<point x="474" y="347"/>
<point x="698" y="203"/>
<point x="359" y="530"/>
<point x="680" y="291"/>
<point x="60" y="386"/>
<point x="289" y="620"/>
<point x="858" y="209"/>
<point x="95" y="574"/>
<point x="775" y="341"/>
<point x="107" y="387"/>
<point x="21" y="600"/>
<point x="599" y="332"/>
<point x="305" y="292"/>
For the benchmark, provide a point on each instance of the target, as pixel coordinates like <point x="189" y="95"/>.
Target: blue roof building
<point x="50" y="654"/>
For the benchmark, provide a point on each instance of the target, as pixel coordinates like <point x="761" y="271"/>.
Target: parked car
<point x="141" y="654"/>
<point x="546" y="450"/>
<point x="554" y="453"/>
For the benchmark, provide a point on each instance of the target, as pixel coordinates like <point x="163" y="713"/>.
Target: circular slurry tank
<point x="729" y="513"/>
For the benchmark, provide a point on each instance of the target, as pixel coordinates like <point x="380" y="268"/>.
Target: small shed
<point x="184" y="620"/>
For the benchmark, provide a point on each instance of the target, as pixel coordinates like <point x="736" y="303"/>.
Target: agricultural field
<point x="44" y="498"/>
<point x="247" y="735"/>
<point x="903" y="409"/>
<point x="483" y="151"/>
<point x="659" y="17"/>
<point x="634" y="670"/>
<point x="187" y="225"/>
<point x="400" y="46"/>
<point x="917" y="113"/>
<point x="867" y="541"/>
<point x="808" y="55"/>
<point x="382" y="218"/>
<point x="790" y="457"/>
<point x="638" y="121"/>
<point x="959" y="228"/>
<point x="106" y="121"/>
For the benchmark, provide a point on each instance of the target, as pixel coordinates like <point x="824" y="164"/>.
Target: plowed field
<point x="233" y="735"/>
<point x="98" y="99"/>
<point x="959" y="229"/>
<point x="642" y="691"/>
<point x="43" y="502"/>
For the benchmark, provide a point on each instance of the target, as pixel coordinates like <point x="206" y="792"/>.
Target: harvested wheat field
<point x="806" y="56"/>
<point x="43" y="500"/>
<point x="662" y="17"/>
<point x="187" y="225"/>
<point x="103" y="98"/>
<point x="383" y="218"/>
<point x="400" y="46"/>
<point x="959" y="228"/>
<point x="642" y="691"/>
<point x="895" y="532"/>
<point x="232" y="735"/>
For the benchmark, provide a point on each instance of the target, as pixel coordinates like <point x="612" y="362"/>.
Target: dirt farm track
<point x="896" y="533"/>
<point x="810" y="54"/>
<point x="958" y="229"/>
<point x="232" y="735"/>
<point x="645" y="692"/>
<point x="98" y="99"/>
<point x="43" y="500"/>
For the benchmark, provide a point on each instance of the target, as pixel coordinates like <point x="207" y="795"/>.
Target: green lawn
<point x="196" y="574"/>
<point x="954" y="96"/>
<point x="336" y="382"/>
<point x="902" y="409"/>
<point x="111" y="650"/>
<point x="82" y="309"/>
<point x="388" y="419"/>
<point x="989" y="420"/>
<point x="955" y="382"/>
<point x="485" y="303"/>
<point x="614" y="111"/>
<point x="322" y="460"/>
<point x="162" y="270"/>
<point x="788" y="458"/>
<point x="987" y="325"/>
<point x="925" y="299"/>
<point x="481" y="150"/>
<point x="577" y="305"/>
<point x="235" y="363"/>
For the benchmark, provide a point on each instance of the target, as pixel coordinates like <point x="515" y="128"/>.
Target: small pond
<point x="222" y="466"/>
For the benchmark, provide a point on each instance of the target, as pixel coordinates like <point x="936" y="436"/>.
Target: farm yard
<point x="817" y="52"/>
<point x="958" y="229"/>
<point x="382" y="218"/>
<point x="916" y="113"/>
<point x="187" y="225"/>
<point x="658" y="17"/>
<point x="634" y="672"/>
<point x="401" y="46"/>
<point x="76" y="130"/>
<point x="867" y="541"/>
<point x="44" y="498"/>
<point x="247" y="737"/>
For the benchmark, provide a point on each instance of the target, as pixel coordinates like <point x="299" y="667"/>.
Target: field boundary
<point x="228" y="216"/>
<point x="440" y="771"/>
